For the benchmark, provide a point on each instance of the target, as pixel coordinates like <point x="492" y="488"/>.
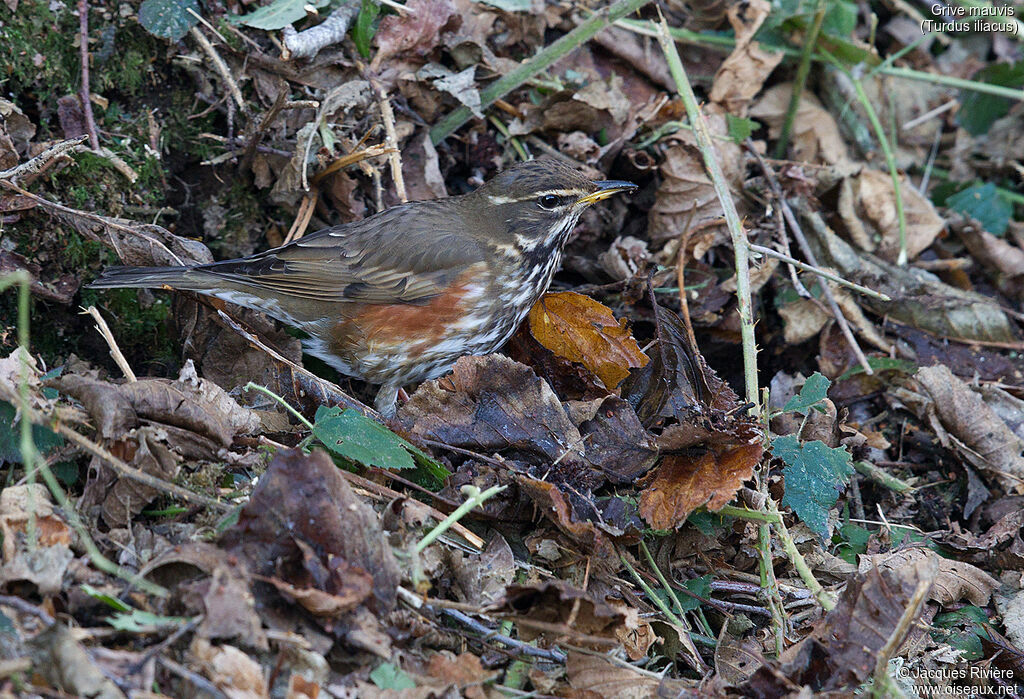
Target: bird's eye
<point x="549" y="201"/>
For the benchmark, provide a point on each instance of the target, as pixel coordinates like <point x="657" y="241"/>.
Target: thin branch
<point x="220" y="67"/>
<point x="83" y="91"/>
<point x="798" y="233"/>
<point x="543" y="60"/>
<point x="108" y="337"/>
<point x="391" y="141"/>
<point x="741" y="246"/>
<point x="820" y="272"/>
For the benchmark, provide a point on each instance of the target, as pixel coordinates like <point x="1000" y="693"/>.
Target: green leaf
<point x="963" y="629"/>
<point x="358" y="438"/>
<point x="814" y="390"/>
<point x="45" y="439"/>
<point x="109" y="600"/>
<point x="137" y="620"/>
<point x="390" y="676"/>
<point x="278" y="14"/>
<point x="509" y="5"/>
<point x="984" y="203"/>
<point x="979" y="111"/>
<point x="740" y="128"/>
<point x="365" y="27"/>
<point x="815" y="476"/>
<point x="709" y="523"/>
<point x="853" y="542"/>
<point x="699" y="586"/>
<point x="881" y="364"/>
<point x="168" y="19"/>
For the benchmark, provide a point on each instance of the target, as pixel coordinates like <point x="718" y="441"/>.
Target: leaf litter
<point x="636" y="529"/>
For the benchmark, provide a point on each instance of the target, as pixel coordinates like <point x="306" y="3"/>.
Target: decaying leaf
<point x="954" y="580"/>
<point x="975" y="429"/>
<point x="867" y="204"/>
<point x="815" y="138"/>
<point x="743" y="73"/>
<point x="683" y="483"/>
<point x="918" y="298"/>
<point x="582" y="330"/>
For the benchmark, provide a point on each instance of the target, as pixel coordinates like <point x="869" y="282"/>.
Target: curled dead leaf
<point x="583" y="330"/>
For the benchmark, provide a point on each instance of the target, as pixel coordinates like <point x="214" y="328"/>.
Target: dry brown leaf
<point x="595" y="676"/>
<point x="234" y="672"/>
<point x="1001" y="259"/>
<point x="954" y="580"/>
<point x="683" y="483"/>
<point x="743" y="73"/>
<point x="815" y="138"/>
<point x="582" y="330"/>
<point x="867" y="205"/>
<point x="982" y="436"/>
<point x="414" y="32"/>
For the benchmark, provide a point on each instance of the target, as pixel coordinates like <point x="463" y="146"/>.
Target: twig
<point x="820" y="272"/>
<point x="83" y="91"/>
<point x="797" y="559"/>
<point x="879" y="476"/>
<point x="308" y="42"/>
<point x="38" y="163"/>
<point x="391" y="140"/>
<point x="553" y="655"/>
<point x="794" y="227"/>
<point x="931" y="114"/>
<point x="198" y="680"/>
<point x="543" y="60"/>
<point x="220" y="67"/>
<point x="302" y="218"/>
<point x="331" y="391"/>
<point x="115" y="351"/>
<point x="27" y="607"/>
<point x="801" y="80"/>
<point x="890" y="159"/>
<point x="741" y="246"/>
<point x="127" y="471"/>
<point x="366" y="483"/>
<point x="475" y="497"/>
<point x="727" y="43"/>
<point x="882" y="683"/>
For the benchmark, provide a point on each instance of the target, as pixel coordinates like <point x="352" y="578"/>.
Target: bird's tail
<point x="187" y="278"/>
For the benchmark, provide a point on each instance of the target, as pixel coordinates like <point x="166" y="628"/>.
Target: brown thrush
<point x="398" y="297"/>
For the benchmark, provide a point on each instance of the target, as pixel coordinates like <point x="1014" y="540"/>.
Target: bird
<point x="398" y="297"/>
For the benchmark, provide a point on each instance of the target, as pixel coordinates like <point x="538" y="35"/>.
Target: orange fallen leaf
<point x="582" y="330"/>
<point x="684" y="483"/>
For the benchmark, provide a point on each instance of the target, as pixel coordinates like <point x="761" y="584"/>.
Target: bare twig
<point x="220" y="67"/>
<point x="740" y="244"/>
<point x="805" y="248"/>
<point x="41" y="161"/>
<point x="83" y="91"/>
<point x="391" y="140"/>
<point x="115" y="351"/>
<point x="302" y="218"/>
<point x="818" y="271"/>
<point x="927" y="573"/>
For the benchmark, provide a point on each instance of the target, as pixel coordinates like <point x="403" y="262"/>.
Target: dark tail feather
<point x="147" y="278"/>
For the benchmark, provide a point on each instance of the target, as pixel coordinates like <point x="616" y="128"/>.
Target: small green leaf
<point x="45" y="439"/>
<point x="168" y="19"/>
<point x="390" y="676"/>
<point x="509" y="5"/>
<point x="740" y="128"/>
<point x="278" y="14"/>
<point x="109" y="600"/>
<point x="963" y="629"/>
<point x="984" y="203"/>
<point x="815" y="476"/>
<point x="699" y="586"/>
<point x="365" y="27"/>
<point x="814" y="390"/>
<point x="978" y="111"/>
<point x="877" y="364"/>
<point x="358" y="438"/>
<point x="853" y="542"/>
<point x="137" y="620"/>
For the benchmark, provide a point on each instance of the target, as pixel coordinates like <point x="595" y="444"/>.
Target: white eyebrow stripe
<point x="500" y="199"/>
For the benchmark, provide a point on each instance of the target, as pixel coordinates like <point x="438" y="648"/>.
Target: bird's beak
<point x="605" y="189"/>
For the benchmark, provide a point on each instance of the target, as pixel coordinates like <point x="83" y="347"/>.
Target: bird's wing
<point x="382" y="259"/>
